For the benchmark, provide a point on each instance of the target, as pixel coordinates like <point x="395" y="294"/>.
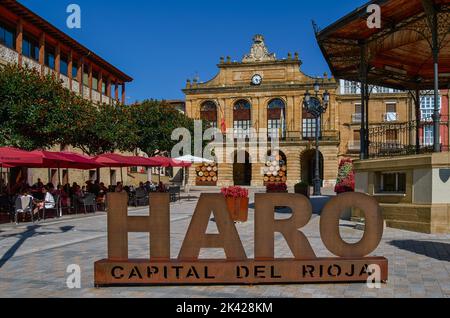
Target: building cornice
<point x="372" y="96"/>
<point x="256" y="89"/>
<point x="259" y="64"/>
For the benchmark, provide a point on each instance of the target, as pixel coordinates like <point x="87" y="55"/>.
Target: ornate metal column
<point x="432" y="16"/>
<point x="363" y="80"/>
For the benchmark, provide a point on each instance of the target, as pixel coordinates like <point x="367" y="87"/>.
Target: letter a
<point x="374" y="20"/>
<point x="196" y="237"/>
<point x="74" y="19"/>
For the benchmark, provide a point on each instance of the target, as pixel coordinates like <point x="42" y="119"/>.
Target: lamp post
<point x="317" y="108"/>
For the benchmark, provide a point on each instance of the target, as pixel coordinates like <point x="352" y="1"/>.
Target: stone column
<point x="255" y="113"/>
<point x="290" y="115"/>
<point x="225" y="177"/>
<point x="257" y="174"/>
<point x="228" y="107"/>
<point x="293" y="165"/>
<point x="330" y="165"/>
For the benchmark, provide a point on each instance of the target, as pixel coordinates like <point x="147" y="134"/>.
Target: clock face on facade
<point x="257" y="79"/>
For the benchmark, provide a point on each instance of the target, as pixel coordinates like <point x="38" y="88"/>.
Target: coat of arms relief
<point x="259" y="52"/>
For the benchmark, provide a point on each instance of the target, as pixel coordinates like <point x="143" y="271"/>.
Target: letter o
<point x="329" y="225"/>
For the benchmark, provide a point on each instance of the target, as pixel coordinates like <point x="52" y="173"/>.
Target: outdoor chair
<point x="89" y="201"/>
<point x="175" y="194"/>
<point x="101" y="202"/>
<point x="23" y="205"/>
<point x="141" y="197"/>
<point x="56" y="210"/>
<point x="64" y="207"/>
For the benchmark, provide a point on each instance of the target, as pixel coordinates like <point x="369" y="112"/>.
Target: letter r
<point x="266" y="225"/>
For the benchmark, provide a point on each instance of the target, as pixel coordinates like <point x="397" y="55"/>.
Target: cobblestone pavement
<point x="34" y="259"/>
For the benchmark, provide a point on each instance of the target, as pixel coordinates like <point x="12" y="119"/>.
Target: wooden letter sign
<point x="350" y="265"/>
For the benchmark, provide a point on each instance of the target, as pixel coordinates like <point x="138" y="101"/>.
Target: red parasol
<point x="17" y="157"/>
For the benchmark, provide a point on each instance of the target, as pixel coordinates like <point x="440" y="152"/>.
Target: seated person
<point x="39" y="184"/>
<point x="48" y="202"/>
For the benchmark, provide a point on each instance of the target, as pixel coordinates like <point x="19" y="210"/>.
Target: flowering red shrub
<point x="346" y="177"/>
<point x="276" y="187"/>
<point x="235" y="192"/>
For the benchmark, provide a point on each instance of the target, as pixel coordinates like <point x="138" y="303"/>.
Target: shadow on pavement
<point x="436" y="250"/>
<point x="30" y="232"/>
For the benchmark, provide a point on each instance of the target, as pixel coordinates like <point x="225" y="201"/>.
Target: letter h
<point x="120" y="224"/>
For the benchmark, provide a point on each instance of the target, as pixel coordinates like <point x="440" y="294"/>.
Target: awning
<point x="119" y="161"/>
<point x="64" y="160"/>
<point x="399" y="54"/>
<point x="17" y="157"/>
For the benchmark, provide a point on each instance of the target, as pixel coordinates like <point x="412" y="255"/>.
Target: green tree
<point x="34" y="110"/>
<point x="155" y="121"/>
<point x="105" y="128"/>
<point x="37" y="112"/>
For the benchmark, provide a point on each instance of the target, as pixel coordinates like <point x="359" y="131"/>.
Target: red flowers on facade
<point x="346" y="177"/>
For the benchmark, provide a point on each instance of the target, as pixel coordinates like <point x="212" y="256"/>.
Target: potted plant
<point x="303" y="188"/>
<point x="237" y="202"/>
<point x="276" y="188"/>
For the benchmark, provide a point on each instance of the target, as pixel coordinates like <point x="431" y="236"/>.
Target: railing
<point x="399" y="139"/>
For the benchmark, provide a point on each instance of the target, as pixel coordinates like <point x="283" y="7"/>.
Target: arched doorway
<point x="242" y="169"/>
<point x="308" y="162"/>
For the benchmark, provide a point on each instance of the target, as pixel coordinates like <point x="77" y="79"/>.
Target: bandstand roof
<point x="399" y="54"/>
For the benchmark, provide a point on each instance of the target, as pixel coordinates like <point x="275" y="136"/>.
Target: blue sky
<point x="161" y="43"/>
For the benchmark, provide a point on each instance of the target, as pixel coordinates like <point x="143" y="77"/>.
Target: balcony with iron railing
<point x="399" y="138"/>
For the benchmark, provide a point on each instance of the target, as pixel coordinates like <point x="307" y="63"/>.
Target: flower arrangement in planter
<point x="237" y="199"/>
<point x="276" y="188"/>
<point x="303" y="188"/>
<point x="346" y="177"/>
